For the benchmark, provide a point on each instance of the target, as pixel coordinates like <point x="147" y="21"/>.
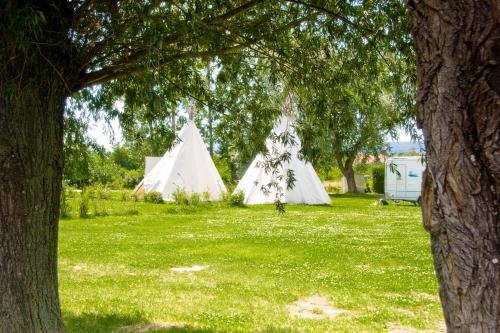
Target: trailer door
<point x="401" y="182"/>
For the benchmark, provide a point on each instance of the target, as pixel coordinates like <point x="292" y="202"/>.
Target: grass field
<point x="372" y="262"/>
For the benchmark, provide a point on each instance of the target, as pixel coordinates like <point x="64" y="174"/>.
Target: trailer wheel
<point x="419" y="201"/>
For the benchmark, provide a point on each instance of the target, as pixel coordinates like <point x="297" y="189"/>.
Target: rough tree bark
<point x="32" y="94"/>
<point x="458" y="109"/>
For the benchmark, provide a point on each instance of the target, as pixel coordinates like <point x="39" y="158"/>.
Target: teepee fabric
<point x="307" y="188"/>
<point x="187" y="166"/>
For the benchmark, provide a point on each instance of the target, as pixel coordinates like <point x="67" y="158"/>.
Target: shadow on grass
<point x="365" y="196"/>
<point x="113" y="323"/>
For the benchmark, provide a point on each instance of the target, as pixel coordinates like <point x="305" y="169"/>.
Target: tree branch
<point x="331" y="13"/>
<point x="131" y="64"/>
<point x="234" y="12"/>
<point x="113" y="72"/>
<point x="139" y="55"/>
<point x="347" y="21"/>
<point x="83" y="7"/>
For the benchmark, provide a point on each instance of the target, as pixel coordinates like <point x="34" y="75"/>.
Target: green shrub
<point x="89" y="192"/>
<point x="378" y="174"/>
<point x="226" y="196"/>
<point x="104" y="171"/>
<point x="224" y="168"/>
<point x="334" y="189"/>
<point x="368" y="188"/>
<point x="64" y="208"/>
<point x="134" y="197"/>
<point x="362" y="167"/>
<point x="131" y="212"/>
<point x="124" y="196"/>
<point x="235" y="199"/>
<point x="332" y="173"/>
<point x="194" y="199"/>
<point x="83" y="206"/>
<point x="71" y="192"/>
<point x="100" y="209"/>
<point x="102" y="192"/>
<point x="181" y="197"/>
<point x="153" y="197"/>
<point x="131" y="178"/>
<point x="184" y="198"/>
<point x="205" y="196"/>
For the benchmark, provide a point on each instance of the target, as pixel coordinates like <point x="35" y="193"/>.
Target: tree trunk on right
<point x="458" y="109"/>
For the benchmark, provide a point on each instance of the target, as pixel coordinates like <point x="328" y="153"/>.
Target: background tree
<point x="343" y="134"/>
<point x="245" y="110"/>
<point x="340" y="122"/>
<point x="77" y="151"/>
<point x="355" y="87"/>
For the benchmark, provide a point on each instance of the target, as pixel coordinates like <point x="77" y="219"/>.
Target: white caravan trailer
<point x="403" y="178"/>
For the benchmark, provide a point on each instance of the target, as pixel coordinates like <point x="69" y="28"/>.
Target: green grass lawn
<point x="373" y="262"/>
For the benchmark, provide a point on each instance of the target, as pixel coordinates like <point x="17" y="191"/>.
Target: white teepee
<point x="263" y="184"/>
<point x="187" y="166"/>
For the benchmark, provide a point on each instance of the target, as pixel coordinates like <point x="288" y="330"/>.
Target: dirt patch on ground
<point x="314" y="307"/>
<point x="194" y="268"/>
<point x="151" y="327"/>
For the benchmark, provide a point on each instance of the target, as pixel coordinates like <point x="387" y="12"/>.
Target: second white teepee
<point x="187" y="166"/>
<point x="307" y="188"/>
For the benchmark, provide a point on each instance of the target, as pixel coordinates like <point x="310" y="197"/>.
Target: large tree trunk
<point x="348" y="173"/>
<point x="458" y="108"/>
<point x="31" y="130"/>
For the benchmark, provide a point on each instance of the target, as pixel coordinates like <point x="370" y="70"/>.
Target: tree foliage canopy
<point x="153" y="55"/>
